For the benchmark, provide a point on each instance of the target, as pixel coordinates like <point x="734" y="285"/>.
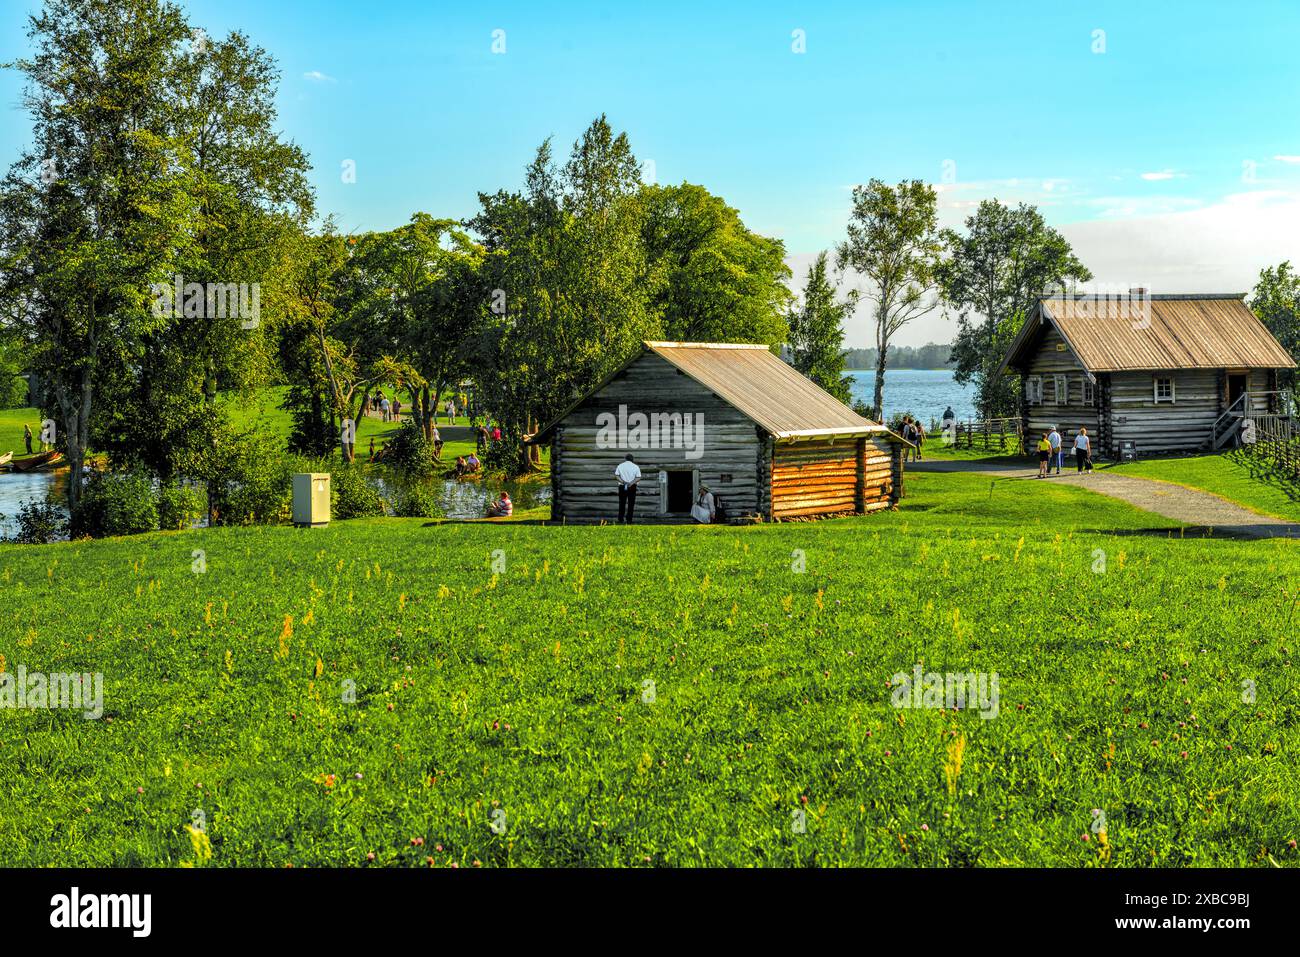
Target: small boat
<point x="36" y="462"/>
<point x="4" y="459"/>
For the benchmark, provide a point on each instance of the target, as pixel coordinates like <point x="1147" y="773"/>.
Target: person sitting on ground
<point x="1044" y="452"/>
<point x="460" y="465"/>
<point x="383" y="451"/>
<point x="472" y="462"/>
<point x="704" y="510"/>
<point x="502" y="507"/>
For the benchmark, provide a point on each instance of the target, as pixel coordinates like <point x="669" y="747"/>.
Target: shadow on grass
<point x="1236" y="533"/>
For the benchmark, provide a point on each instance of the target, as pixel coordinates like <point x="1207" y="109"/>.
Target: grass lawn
<point x="1228" y="475"/>
<point x="650" y="695"/>
<point x="11" y="430"/>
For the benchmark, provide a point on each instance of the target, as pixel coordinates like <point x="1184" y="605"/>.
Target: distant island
<point x="932" y="355"/>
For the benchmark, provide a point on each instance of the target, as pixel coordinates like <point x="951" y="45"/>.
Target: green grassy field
<point x="11" y="430"/>
<point x="654" y="696"/>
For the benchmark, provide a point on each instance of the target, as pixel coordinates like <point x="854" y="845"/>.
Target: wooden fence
<point x="1004" y="434"/>
<point x="1273" y="441"/>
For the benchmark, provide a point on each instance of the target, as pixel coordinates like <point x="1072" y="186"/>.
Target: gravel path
<point x="1205" y="513"/>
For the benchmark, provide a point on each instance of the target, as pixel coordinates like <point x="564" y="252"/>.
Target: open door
<point x="1237" y="384"/>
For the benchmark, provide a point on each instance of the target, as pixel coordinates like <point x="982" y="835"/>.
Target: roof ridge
<point x="669" y="344"/>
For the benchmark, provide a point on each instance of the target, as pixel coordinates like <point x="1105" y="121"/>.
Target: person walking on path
<point x="27" y="437"/>
<point x="1054" y="440"/>
<point x="1044" y="451"/>
<point x="920" y="439"/>
<point x="1083" y="450"/>
<point x="628" y="474"/>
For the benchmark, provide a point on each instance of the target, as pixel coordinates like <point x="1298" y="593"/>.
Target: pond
<point x="457" y="499"/>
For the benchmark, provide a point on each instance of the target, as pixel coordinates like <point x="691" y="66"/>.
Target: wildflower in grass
<point x="952" y="765"/>
<point x="200" y="844"/>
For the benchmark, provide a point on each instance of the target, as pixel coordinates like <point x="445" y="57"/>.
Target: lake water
<point x="458" y="499"/>
<point x="921" y="392"/>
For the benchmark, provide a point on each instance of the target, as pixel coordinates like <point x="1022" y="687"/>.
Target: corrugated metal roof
<point x="1164" y="332"/>
<point x="754" y="381"/>
<point x="766" y="389"/>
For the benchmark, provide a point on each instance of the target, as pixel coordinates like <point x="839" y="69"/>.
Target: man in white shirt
<point x="1054" y="437"/>
<point x="628" y="475"/>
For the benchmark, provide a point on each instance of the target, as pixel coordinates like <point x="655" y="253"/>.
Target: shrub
<point x="39" y="523"/>
<point x="179" y="506"/>
<point x="115" y="503"/>
<point x="352" y="495"/>
<point x="253" y="482"/>
<point x="409" y="451"/>
<point x="416" y="500"/>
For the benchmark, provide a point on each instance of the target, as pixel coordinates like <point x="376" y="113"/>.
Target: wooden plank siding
<point x="584" y="489"/>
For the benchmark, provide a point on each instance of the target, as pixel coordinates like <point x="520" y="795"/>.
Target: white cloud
<point x="1186" y="246"/>
<point x="1160" y="175"/>
<point x="1284" y="158"/>
<point x="316" y="76"/>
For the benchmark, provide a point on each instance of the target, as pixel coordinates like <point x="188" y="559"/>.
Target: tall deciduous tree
<point x="565" y="281"/>
<point x="992" y="277"/>
<point x="893" y="243"/>
<point x="1276" y="300"/>
<point x="100" y="206"/>
<point x="816" y="332"/>
<point x="717" y="281"/>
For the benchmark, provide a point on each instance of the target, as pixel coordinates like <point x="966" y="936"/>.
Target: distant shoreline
<point x="906" y="369"/>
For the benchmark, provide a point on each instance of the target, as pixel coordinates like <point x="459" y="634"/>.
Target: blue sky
<point x="1171" y="159"/>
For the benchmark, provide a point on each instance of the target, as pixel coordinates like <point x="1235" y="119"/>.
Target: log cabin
<point x="1145" y="373"/>
<point x="769" y="443"/>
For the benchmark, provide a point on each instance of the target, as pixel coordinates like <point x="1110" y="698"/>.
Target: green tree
<point x="1276" y="300"/>
<point x="893" y="243"/>
<point x="100" y="206"/>
<point x="816" y="332"/>
<point x="716" y="280"/>
<point x="992" y="276"/>
<point x="565" y="281"/>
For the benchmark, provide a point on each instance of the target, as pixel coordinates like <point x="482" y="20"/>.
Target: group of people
<point x="1051" y="452"/>
<point x="466" y="464"/>
<point x="913" y="432"/>
<point x="390" y="410"/>
<point x="483" y="434"/>
<point x="705" y="510"/>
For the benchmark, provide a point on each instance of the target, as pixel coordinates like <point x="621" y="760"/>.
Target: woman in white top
<point x="1083" y="450"/>
<point x="704" y="508"/>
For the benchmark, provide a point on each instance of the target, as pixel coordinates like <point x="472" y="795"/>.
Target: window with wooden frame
<point x="1089" y="391"/>
<point x="1034" y="389"/>
<point x="1062" y="389"/>
<point x="1163" y="388"/>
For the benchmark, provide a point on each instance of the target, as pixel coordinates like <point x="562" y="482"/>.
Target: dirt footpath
<point x="1200" y="510"/>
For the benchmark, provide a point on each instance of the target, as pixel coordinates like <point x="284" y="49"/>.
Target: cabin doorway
<point x="680" y="491"/>
<point x="1236" y="388"/>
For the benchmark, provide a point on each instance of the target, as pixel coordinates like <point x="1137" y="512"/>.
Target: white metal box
<point x="311" y="499"/>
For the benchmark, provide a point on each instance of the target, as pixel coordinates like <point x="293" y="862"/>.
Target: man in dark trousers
<point x="628" y="475"/>
<point x="27" y="437"/>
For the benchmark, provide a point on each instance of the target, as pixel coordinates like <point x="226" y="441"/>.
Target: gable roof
<point x="1117" y="334"/>
<point x="756" y="383"/>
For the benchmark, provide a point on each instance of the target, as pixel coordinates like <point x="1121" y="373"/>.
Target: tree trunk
<point x="877" y="402"/>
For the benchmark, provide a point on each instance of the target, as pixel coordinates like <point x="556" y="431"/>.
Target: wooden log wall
<point x="1182" y="425"/>
<point x="1068" y="411"/>
<point x="585" y="489"/>
<point x="827" y="477"/>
